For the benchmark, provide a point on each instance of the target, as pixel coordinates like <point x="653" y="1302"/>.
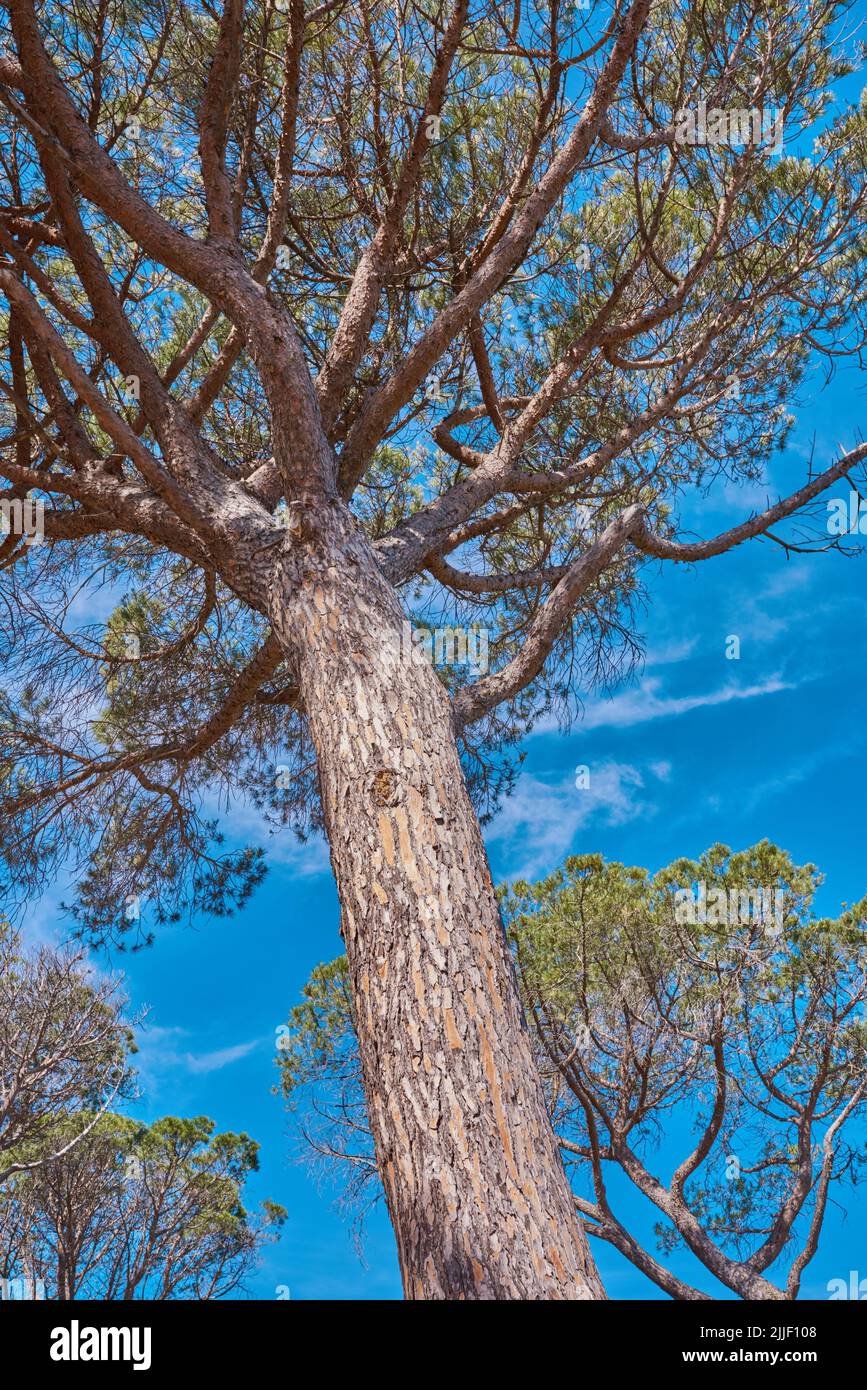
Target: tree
<point x="94" y="1204"/>
<point x="707" y="998"/>
<point x="137" y="1211"/>
<point x="711" y="987"/>
<point x="63" y="1049"/>
<point x="324" y="320"/>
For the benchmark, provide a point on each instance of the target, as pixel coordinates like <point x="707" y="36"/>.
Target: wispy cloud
<point x="539" y="821"/>
<point x="43" y="923"/>
<point x="645" y="703"/>
<point x="304" y="858"/>
<point x="244" y="823"/>
<point x="669" y="653"/>
<point x="802" y="771"/>
<point x="161" y="1051"/>
<point x="41" y="920"/>
<point x="662" y="770"/>
<point x="772" y="612"/>
<point x="222" y="1057"/>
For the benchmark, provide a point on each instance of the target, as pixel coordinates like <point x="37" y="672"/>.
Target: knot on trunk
<point x="384" y="787"/>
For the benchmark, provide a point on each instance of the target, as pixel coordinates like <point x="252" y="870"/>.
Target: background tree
<point x="137" y="1211"/>
<point x="741" y="1012"/>
<point x="321" y="317"/>
<point x="94" y="1204"/>
<point x="743" y="1027"/>
<point x="63" y="1051"/>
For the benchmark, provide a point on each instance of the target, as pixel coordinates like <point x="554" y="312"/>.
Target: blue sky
<point x="695" y="749"/>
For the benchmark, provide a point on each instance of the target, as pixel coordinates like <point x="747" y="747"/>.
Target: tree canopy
<point x="137" y="1211"/>
<point x="529" y="316"/>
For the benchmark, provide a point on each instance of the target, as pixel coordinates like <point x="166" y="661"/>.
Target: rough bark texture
<point x="473" y="1178"/>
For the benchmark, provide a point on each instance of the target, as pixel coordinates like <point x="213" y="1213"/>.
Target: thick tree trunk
<point x="472" y="1173"/>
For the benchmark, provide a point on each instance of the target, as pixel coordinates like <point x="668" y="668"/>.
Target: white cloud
<point x="668" y="653"/>
<point x="303" y="858"/>
<point x="799" y="575"/>
<point x="815" y="762"/>
<point x="538" y="823"/>
<point x="40" y="922"/>
<point x="644" y="703"/>
<point x="244" y="823"/>
<point x="222" y="1057"/>
<point x="661" y="770"/>
<point x="94" y="603"/>
<point x="755" y="617"/>
<point x="44" y="925"/>
<point x="744" y="497"/>
<point x="160" y="1050"/>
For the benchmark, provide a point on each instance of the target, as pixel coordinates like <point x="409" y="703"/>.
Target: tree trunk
<point x="472" y="1172"/>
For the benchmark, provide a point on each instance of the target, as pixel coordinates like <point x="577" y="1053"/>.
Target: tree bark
<point x="473" y="1178"/>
